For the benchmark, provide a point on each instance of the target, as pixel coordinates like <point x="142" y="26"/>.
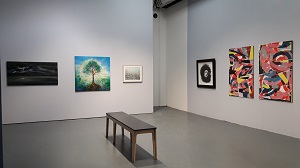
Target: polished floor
<point x="185" y="140"/>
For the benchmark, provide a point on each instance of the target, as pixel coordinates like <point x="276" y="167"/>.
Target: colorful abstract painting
<point x="276" y="71"/>
<point x="92" y="73"/>
<point x="241" y="72"/>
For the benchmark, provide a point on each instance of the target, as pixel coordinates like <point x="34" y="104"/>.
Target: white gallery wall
<point x="159" y="58"/>
<point x="170" y="56"/>
<point x="58" y="30"/>
<point x="214" y="26"/>
<point x="176" y="35"/>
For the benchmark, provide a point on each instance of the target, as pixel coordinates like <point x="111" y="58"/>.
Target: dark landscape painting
<point x="31" y="73"/>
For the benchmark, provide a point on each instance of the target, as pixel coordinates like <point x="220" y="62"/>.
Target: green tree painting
<point x="92" y="73"/>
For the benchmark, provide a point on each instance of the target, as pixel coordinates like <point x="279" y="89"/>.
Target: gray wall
<point x="1" y="140"/>
<point x="58" y="30"/>
<point x="176" y="35"/>
<point x="159" y="58"/>
<point x="214" y="26"/>
<point x="170" y="56"/>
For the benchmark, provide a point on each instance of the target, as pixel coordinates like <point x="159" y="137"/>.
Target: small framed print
<point x="206" y="73"/>
<point x="132" y="74"/>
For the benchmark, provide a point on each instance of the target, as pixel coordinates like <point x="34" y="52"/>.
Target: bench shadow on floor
<point x="143" y="158"/>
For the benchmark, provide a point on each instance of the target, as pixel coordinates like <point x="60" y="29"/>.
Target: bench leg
<point x="133" y="147"/>
<point x="122" y="131"/>
<point x="154" y="144"/>
<point x="114" y="132"/>
<point x="107" y="125"/>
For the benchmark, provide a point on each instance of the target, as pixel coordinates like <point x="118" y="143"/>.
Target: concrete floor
<point x="185" y="140"/>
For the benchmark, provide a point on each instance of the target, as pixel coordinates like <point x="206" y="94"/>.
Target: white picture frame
<point x="132" y="73"/>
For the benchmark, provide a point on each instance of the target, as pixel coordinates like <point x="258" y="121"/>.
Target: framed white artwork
<point x="132" y="73"/>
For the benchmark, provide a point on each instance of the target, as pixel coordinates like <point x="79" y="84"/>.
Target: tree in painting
<point x="92" y="73"/>
<point x="92" y="67"/>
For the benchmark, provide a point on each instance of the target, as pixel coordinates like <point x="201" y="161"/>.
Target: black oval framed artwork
<point x="206" y="73"/>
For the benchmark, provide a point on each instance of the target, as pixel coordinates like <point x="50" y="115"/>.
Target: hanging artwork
<point x="276" y="71"/>
<point x="92" y="73"/>
<point x="241" y="72"/>
<point x="31" y="73"/>
<point x="132" y="73"/>
<point x="206" y="73"/>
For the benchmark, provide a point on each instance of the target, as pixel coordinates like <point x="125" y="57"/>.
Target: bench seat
<point x="132" y="125"/>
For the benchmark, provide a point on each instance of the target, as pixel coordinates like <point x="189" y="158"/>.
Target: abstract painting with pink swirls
<point x="276" y="71"/>
<point x="241" y="72"/>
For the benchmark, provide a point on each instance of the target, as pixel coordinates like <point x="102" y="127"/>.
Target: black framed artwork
<point x="31" y="73"/>
<point x="206" y="73"/>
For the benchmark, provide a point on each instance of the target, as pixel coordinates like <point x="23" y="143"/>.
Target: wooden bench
<point x="134" y="126"/>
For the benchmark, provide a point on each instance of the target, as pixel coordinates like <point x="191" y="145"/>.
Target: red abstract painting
<point x="241" y="72"/>
<point x="276" y="71"/>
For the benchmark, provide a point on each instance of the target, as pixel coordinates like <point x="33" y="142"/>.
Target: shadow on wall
<point x="192" y="2"/>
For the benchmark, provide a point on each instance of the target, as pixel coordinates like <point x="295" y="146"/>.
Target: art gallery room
<point x="150" y="84"/>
